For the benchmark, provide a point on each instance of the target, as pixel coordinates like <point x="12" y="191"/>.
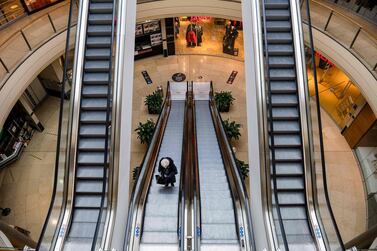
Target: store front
<point x="209" y="36"/>
<point x="11" y="10"/>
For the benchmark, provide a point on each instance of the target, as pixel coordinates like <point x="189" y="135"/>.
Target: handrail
<point x="319" y="118"/>
<point x="108" y="152"/>
<point x="9" y="68"/>
<point x="196" y="180"/>
<point x="59" y="136"/>
<point x="236" y="184"/>
<point x="346" y="17"/>
<point x="271" y="129"/>
<point x="142" y="184"/>
<point x="186" y="212"/>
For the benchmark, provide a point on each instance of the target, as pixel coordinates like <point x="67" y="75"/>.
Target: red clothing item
<point x="191" y="37"/>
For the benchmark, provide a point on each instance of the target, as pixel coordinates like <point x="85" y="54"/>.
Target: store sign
<point x="317" y="54"/>
<point x="232" y="77"/>
<point x="199" y="18"/>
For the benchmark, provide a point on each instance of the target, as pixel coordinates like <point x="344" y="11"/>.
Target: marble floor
<point x="27" y="184"/>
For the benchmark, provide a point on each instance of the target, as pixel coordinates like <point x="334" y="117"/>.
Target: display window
<point x="35" y="5"/>
<point x="209" y="36"/>
<point x="10" y="10"/>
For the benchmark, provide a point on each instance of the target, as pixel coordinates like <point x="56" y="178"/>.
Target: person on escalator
<point x="167" y="170"/>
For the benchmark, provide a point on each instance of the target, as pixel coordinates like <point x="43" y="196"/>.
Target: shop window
<point x="35" y="5"/>
<point x="10" y="10"/>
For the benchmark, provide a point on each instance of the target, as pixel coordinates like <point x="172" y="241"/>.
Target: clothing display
<point x="229" y="39"/>
<point x="194" y="35"/>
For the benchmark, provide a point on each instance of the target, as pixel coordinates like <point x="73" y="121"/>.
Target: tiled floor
<point x="28" y="182"/>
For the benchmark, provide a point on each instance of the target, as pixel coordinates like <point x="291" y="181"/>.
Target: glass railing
<point x="323" y="210"/>
<point x="57" y="207"/>
<point x="344" y="30"/>
<point x="24" y="41"/>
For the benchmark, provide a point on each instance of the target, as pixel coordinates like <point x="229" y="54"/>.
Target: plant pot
<point x="225" y="108"/>
<point x="152" y="111"/>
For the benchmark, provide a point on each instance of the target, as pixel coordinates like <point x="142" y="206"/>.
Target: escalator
<point x="288" y="181"/>
<point x="153" y="216"/>
<point x="94" y="120"/>
<point x="224" y="211"/>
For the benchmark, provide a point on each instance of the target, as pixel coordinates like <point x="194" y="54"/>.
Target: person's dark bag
<point x="160" y="180"/>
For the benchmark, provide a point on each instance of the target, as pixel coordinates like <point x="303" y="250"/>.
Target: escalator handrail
<point x="107" y="164"/>
<point x="319" y="118"/>
<point x="63" y="225"/>
<point x="269" y="108"/>
<point x="185" y="200"/>
<point x="196" y="180"/>
<point x="145" y="174"/>
<point x="236" y="184"/>
<point x="59" y="136"/>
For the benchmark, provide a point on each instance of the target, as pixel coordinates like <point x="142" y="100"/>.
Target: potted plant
<point x="224" y="100"/>
<point x="244" y="168"/>
<point x="232" y="129"/>
<point x="154" y="102"/>
<point x="145" y="131"/>
<point x="135" y="173"/>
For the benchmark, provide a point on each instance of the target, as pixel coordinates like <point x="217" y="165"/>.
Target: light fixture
<point x="14" y="6"/>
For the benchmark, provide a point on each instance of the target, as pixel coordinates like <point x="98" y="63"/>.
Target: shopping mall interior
<point x="201" y="125"/>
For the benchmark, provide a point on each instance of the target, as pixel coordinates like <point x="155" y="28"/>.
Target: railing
<point x="54" y="218"/>
<point x="323" y="209"/>
<point x="145" y="176"/>
<point x="348" y="32"/>
<point x="10" y="11"/>
<point x="22" y="43"/>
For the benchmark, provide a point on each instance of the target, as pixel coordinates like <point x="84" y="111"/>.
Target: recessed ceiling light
<point x="15" y="6"/>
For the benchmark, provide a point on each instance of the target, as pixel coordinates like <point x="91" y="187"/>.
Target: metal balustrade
<point x="22" y="43"/>
<point x="344" y="30"/>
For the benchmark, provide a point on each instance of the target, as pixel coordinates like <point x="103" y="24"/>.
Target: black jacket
<point x="169" y="172"/>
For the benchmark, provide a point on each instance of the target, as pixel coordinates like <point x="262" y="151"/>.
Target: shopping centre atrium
<point x="188" y="125"/>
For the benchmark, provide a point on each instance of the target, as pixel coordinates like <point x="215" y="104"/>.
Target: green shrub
<point x="145" y="131"/>
<point x="154" y="102"/>
<point x="232" y="129"/>
<point x="223" y="101"/>
<point x="244" y="168"/>
<point x="135" y="173"/>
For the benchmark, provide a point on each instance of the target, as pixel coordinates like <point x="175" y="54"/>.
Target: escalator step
<point x="287" y="140"/>
<point x="278" y="26"/>
<point x="87" y="201"/>
<point x="278" y="14"/>
<point x="83" y="230"/>
<point x="92" y="131"/>
<point x="88" y="186"/>
<point x="288" y="198"/>
<point x="282" y="87"/>
<point x="289" y="169"/>
<point x="99" y="30"/>
<point x="98" y="42"/>
<point x="95" y="91"/>
<point x="280" y="100"/>
<point x="97" y="66"/>
<point x="279" y="37"/>
<point x="97" y="54"/>
<point x="100" y="19"/>
<point x="93" y="117"/>
<point x="86" y="215"/>
<point x="276" y="4"/>
<point x="282" y="74"/>
<point x="285" y="113"/>
<point x="286" y="127"/>
<point x="96" y="78"/>
<point x="90" y="158"/>
<point x="90" y="172"/>
<point x="291" y="212"/>
<point x="92" y="144"/>
<point x="290" y="184"/>
<point x="288" y="155"/>
<point x="281" y="61"/>
<point x="97" y="104"/>
<point x="101" y="7"/>
<point x="280" y="49"/>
